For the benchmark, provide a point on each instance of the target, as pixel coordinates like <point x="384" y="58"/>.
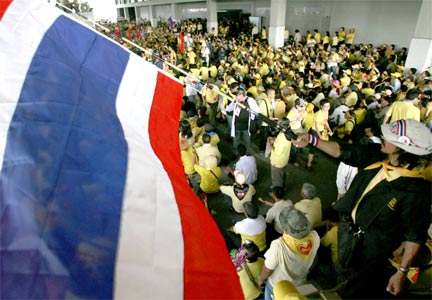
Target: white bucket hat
<point x="409" y="135"/>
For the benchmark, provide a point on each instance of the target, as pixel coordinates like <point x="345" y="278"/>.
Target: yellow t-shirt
<point x="308" y="121"/>
<point x="367" y="92"/>
<point x="279" y="156"/>
<point x="214" y="140"/>
<point x="211" y="95"/>
<point x="192" y="57"/>
<point x="319" y="119"/>
<point x="253" y="91"/>
<point x="204" y="73"/>
<point x="209" y="182"/>
<point x="188" y="161"/>
<point x="258" y="239"/>
<point x="351" y="99"/>
<point x="360" y="114"/>
<point x="213" y="71"/>
<point x="402" y="110"/>
<point x="249" y="290"/>
<point x="295" y="118"/>
<point x="326" y="39"/>
<point x="279" y="111"/>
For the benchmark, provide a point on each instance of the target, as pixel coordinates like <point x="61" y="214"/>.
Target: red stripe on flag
<point x="4" y="4"/>
<point x="208" y="270"/>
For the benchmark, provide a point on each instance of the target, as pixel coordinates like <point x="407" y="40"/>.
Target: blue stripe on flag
<point x="64" y="170"/>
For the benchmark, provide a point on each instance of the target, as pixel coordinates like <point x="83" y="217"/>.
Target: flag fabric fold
<point x="93" y="200"/>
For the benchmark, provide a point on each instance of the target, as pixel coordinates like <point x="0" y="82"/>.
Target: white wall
<point x="143" y="13"/>
<point x="163" y="12"/>
<point x="192" y="10"/>
<point x="380" y="21"/>
<point x="103" y="10"/>
<point x="375" y="21"/>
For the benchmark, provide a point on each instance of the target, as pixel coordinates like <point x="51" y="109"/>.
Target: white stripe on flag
<point x="150" y="217"/>
<point x="19" y="42"/>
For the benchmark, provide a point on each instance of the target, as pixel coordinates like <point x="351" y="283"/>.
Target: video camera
<point x="276" y="127"/>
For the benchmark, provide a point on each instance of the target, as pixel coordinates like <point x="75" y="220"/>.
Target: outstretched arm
<point x="330" y="147"/>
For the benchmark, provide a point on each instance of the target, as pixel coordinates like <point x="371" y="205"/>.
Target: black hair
<point x="241" y="150"/>
<point x="278" y="191"/>
<point x="200" y="122"/>
<point x="412" y="94"/>
<point x="253" y="251"/>
<point x="324" y="101"/>
<point x="206" y="138"/>
<point x="407" y="158"/>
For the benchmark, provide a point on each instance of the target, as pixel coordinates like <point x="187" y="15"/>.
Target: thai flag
<point x="93" y="199"/>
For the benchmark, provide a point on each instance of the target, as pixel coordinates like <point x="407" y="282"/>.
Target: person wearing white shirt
<point x="338" y="115"/>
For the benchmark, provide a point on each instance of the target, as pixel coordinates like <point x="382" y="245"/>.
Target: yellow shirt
<point x="367" y="92"/>
<point x="258" y="239"/>
<point x="326" y="39"/>
<point x="318" y="37"/>
<point x="360" y="114"/>
<point x="290" y="100"/>
<point x="319" y="119"/>
<point x="345" y="81"/>
<point x="350" y="38"/>
<point x="351" y="99"/>
<point x="280" y="107"/>
<point x="211" y="95"/>
<point x="296" y="119"/>
<point x="402" y="110"/>
<point x="213" y="71"/>
<point x="187" y="158"/>
<point x="280" y="153"/>
<point x="204" y="73"/>
<point x="214" y="140"/>
<point x="192" y="56"/>
<point x="209" y="182"/>
<point x="249" y="290"/>
<point x="253" y="90"/>
<point x="308" y="121"/>
<point x="330" y="240"/>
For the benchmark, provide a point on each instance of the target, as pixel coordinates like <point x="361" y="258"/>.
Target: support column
<point x="277" y="23"/>
<point x="153" y="16"/>
<point x="126" y="13"/>
<point x="420" y="50"/>
<point x="212" y="15"/>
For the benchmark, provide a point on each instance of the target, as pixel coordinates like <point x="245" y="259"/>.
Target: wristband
<point x="313" y="140"/>
<point x="403" y="270"/>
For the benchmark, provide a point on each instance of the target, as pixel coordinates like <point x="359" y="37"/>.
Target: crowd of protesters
<point x="321" y="84"/>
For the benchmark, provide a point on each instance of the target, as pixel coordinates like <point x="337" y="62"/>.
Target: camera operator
<point x="280" y="153"/>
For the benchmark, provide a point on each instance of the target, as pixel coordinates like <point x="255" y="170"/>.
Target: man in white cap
<point x="387" y="203"/>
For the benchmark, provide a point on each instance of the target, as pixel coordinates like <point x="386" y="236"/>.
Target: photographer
<point x="279" y="155"/>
